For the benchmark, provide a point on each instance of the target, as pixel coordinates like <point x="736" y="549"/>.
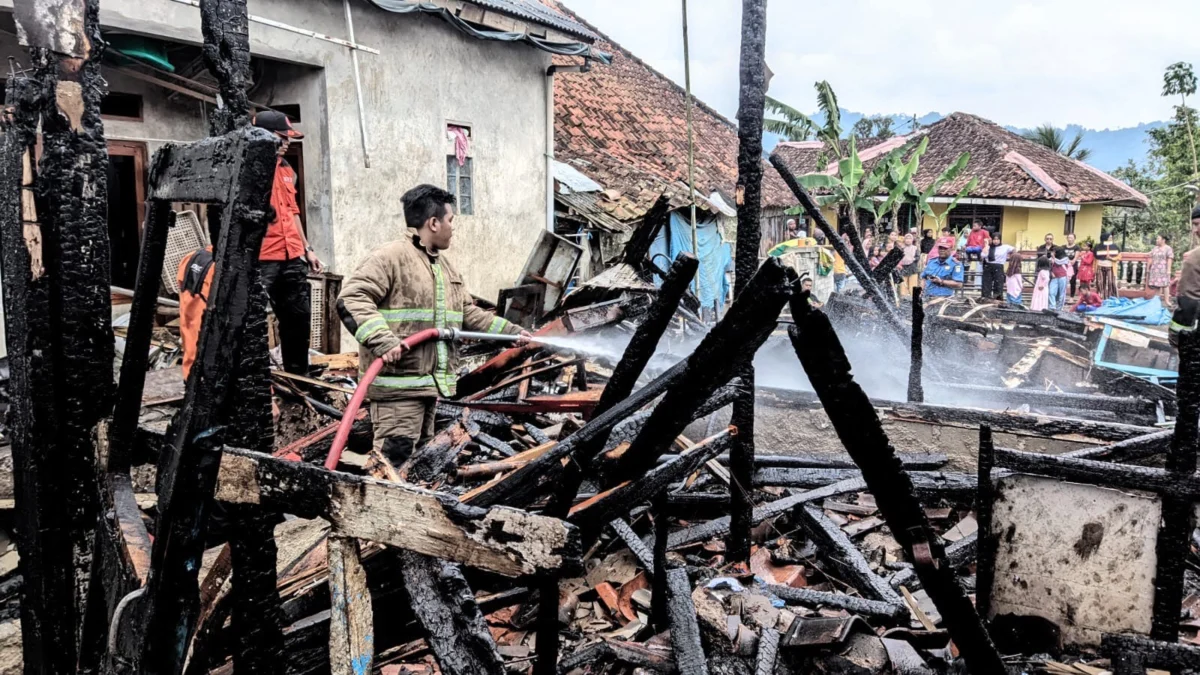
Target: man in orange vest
<point x="286" y="256"/>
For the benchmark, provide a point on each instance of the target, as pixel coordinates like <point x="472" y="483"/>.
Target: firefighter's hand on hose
<point x="395" y="353"/>
<point x="523" y="338"/>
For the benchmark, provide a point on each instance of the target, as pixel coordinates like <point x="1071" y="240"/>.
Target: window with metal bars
<point x="458" y="182"/>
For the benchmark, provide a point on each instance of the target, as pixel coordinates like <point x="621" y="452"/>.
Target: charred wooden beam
<point x="916" y="392"/>
<point x="651" y="659"/>
<point x="985" y="499"/>
<point x="963" y="551"/>
<point x="685" y="630"/>
<point x="1138" y="447"/>
<point x="638" y="249"/>
<point x="752" y="75"/>
<point x="1036" y="398"/>
<point x="254" y="595"/>
<point x="926" y="483"/>
<point x="1174" y="535"/>
<point x="159" y="219"/>
<point x="844" y="553"/>
<point x="912" y="461"/>
<point x="628" y="430"/>
<point x="432" y="460"/>
<point x="643" y="554"/>
<point x="1151" y="653"/>
<point x="850" y="603"/>
<point x="662" y="529"/>
<point x="54" y="241"/>
<point x="858" y="426"/>
<point x="727" y="347"/>
<point x="501" y="540"/>
<point x="455" y="628"/>
<point x="1091" y="472"/>
<point x="188" y="468"/>
<point x="882" y="274"/>
<point x="768" y="651"/>
<point x="1007" y="422"/>
<point x="590" y="515"/>
<point x="720" y="526"/>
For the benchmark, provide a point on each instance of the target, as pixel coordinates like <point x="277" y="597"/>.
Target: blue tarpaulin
<point x="1148" y="312"/>
<point x="715" y="255"/>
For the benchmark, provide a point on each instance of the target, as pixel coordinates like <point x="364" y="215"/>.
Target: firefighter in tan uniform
<point x="1187" y="309"/>
<point x="402" y="288"/>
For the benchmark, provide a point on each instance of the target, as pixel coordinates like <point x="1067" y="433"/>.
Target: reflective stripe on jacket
<point x="398" y="291"/>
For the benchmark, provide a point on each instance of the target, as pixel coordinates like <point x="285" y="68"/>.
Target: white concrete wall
<point x="426" y="75"/>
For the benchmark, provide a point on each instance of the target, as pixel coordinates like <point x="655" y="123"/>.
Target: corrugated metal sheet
<point x="583" y="204"/>
<point x="535" y="11"/>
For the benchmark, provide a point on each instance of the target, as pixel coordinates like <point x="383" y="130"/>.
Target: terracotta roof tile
<point x="624" y="126"/>
<point x="1007" y="165"/>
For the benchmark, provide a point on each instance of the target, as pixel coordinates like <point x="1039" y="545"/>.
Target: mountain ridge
<point x="1111" y="148"/>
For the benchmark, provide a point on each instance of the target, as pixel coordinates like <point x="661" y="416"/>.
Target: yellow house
<point x="1025" y="191"/>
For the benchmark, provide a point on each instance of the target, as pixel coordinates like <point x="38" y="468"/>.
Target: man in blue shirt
<point x="942" y="274"/>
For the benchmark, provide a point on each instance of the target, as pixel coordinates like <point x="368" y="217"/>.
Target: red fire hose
<point x="343" y="432"/>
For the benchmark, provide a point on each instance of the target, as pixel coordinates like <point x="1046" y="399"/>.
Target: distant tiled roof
<point x="625" y="126"/>
<point x="1007" y="165"/>
<point x="535" y="11"/>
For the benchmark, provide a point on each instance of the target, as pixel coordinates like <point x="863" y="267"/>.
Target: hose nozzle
<point x="457" y="335"/>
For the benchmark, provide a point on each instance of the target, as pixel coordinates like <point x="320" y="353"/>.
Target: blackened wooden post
<point x="658" y="598"/>
<point x="857" y="425"/>
<point x="985" y="567"/>
<point x="159" y="219"/>
<point x="882" y="274"/>
<point x="1175" y="533"/>
<point x="59" y="330"/>
<point x="188" y="466"/>
<point x="637" y="354"/>
<point x="258" y="638"/>
<point x="916" y="392"/>
<point x="751" y="99"/>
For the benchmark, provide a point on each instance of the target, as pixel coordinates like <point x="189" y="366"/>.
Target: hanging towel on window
<point x="462" y="143"/>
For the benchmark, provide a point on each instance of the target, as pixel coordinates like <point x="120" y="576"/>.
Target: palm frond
<point x="795" y="125"/>
<point x="831" y="131"/>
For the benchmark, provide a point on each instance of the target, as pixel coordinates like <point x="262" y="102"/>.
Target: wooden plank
<point x="342" y="361"/>
<point x="351" y="648"/>
<point x="502" y="540"/>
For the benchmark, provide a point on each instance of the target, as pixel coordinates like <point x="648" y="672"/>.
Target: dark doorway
<point x="126" y="208"/>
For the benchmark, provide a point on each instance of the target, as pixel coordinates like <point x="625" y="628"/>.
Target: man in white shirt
<point x="994" y="257"/>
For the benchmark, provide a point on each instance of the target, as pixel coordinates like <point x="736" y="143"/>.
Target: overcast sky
<point x="1098" y="63"/>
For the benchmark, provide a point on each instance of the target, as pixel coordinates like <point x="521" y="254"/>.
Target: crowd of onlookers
<point x="1073" y="275"/>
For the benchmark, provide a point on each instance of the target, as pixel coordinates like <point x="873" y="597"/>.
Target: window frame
<point x="455" y="175"/>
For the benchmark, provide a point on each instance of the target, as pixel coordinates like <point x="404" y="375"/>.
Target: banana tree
<point x="859" y="189"/>
<point x="925" y="198"/>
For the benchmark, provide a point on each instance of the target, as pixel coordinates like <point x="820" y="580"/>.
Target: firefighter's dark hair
<point x="424" y="202"/>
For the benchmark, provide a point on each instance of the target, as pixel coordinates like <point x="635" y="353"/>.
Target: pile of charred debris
<point x="572" y="514"/>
